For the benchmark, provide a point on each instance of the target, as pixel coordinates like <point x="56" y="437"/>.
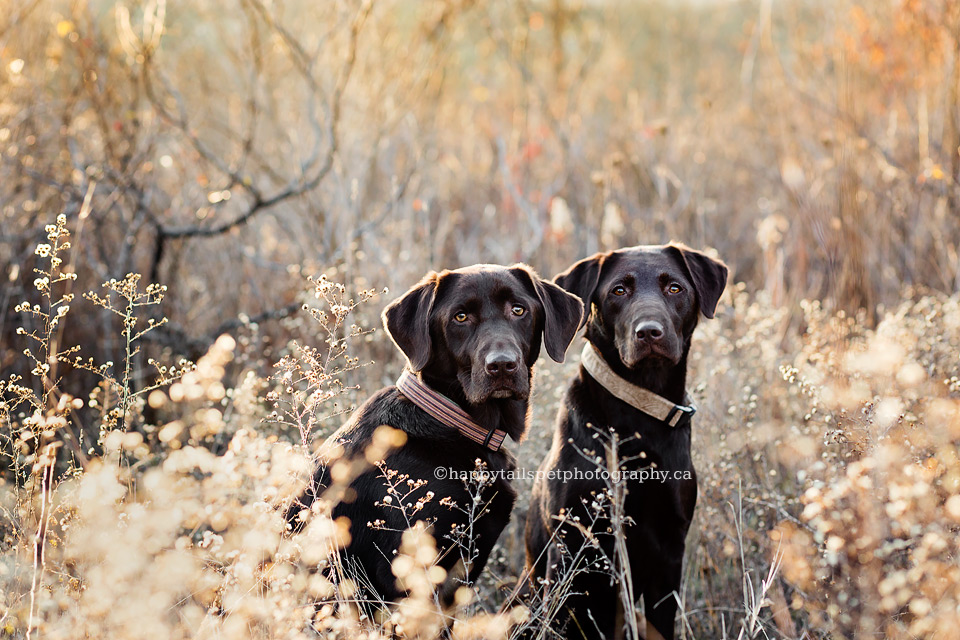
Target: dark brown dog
<point x="473" y="335"/>
<point x="643" y="305"/>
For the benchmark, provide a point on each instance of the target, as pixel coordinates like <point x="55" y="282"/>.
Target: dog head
<point x="645" y="301"/>
<point x="483" y="326"/>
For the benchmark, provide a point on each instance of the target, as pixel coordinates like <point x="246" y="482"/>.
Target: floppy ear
<point x="709" y="276"/>
<point x="561" y="312"/>
<point x="563" y="315"/>
<point x="407" y="321"/>
<point x="581" y="280"/>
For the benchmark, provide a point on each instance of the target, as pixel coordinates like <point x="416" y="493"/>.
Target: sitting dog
<point x="471" y="337"/>
<point x="642" y="306"/>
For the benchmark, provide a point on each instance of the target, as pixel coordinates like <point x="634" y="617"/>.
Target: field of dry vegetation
<point x="202" y="203"/>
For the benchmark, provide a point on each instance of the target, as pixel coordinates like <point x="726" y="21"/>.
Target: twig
<point x="48" y="460"/>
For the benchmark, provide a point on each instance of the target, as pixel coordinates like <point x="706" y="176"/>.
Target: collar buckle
<point x="680" y="415"/>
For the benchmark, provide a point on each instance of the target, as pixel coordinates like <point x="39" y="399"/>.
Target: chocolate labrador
<point x="471" y="337"/>
<point x="642" y="306"/>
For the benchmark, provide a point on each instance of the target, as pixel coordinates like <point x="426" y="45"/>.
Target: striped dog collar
<point x="637" y="397"/>
<point x="446" y="411"/>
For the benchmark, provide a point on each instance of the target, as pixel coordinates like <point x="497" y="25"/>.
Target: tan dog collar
<point x="637" y="397"/>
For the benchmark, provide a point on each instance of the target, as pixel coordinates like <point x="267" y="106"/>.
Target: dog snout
<point x="649" y="331"/>
<point x="498" y="363"/>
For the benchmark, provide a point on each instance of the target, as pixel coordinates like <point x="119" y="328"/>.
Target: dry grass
<point x="228" y="149"/>
<point x="828" y="472"/>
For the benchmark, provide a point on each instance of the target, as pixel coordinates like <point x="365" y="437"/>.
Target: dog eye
<point x="619" y="290"/>
<point x="673" y="287"/>
<point x="518" y="310"/>
<point x="460" y="317"/>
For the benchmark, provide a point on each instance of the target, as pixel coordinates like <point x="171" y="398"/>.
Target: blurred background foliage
<point x="235" y="147"/>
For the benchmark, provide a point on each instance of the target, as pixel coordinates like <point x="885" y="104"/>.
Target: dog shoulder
<point x="388" y="408"/>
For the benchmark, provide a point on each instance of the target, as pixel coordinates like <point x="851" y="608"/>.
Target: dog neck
<point x="659" y="376"/>
<point x="644" y="400"/>
<point x="448" y="412"/>
<point x="505" y="414"/>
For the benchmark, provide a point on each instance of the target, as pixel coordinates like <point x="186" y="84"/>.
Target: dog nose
<point x="499" y="362"/>
<point x="649" y="331"/>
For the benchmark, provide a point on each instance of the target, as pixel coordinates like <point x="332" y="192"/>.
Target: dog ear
<point x="407" y="321"/>
<point x="562" y="312"/>
<point x="709" y="276"/>
<point x="563" y="316"/>
<point x="581" y="280"/>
